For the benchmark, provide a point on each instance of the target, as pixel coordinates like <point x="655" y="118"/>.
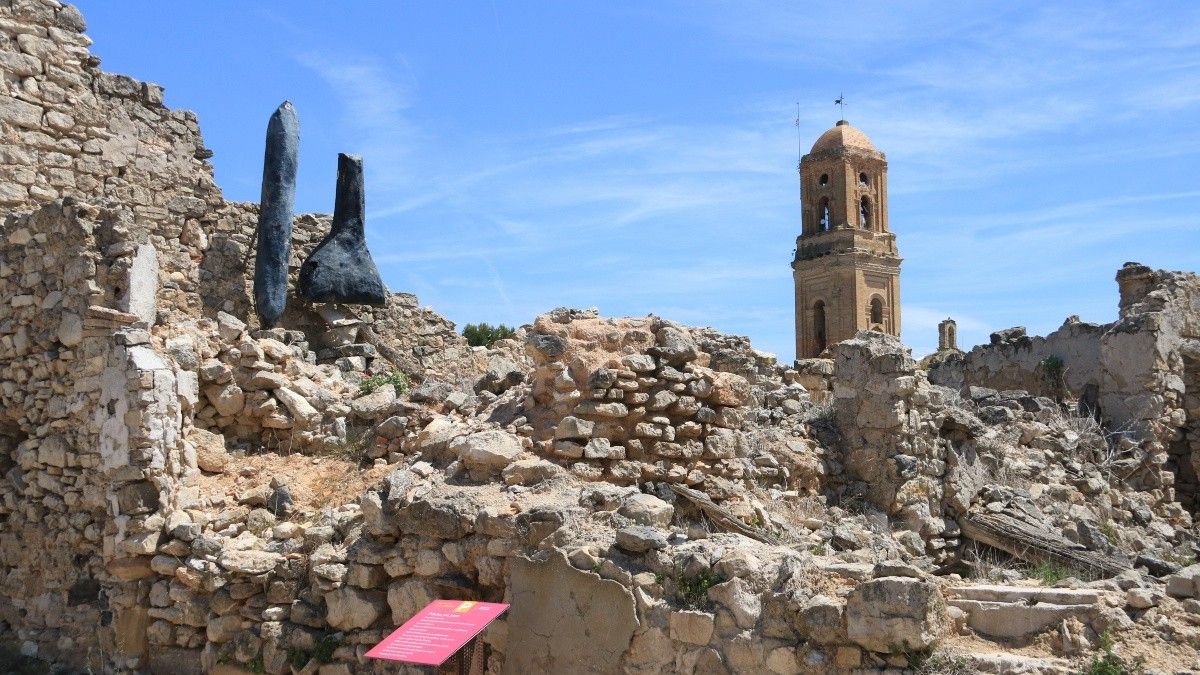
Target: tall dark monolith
<point x="275" y="215"/>
<point x="340" y="269"/>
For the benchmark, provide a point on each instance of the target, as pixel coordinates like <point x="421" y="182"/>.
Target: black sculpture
<point x="340" y="269"/>
<point x="275" y="215"/>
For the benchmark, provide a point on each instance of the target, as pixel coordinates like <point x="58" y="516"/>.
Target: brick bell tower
<point x="847" y="268"/>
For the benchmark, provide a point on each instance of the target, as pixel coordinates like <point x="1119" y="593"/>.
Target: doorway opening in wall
<point x="1185" y="453"/>
<point x="818" y="327"/>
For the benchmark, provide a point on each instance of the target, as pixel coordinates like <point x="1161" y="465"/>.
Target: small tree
<point x="1054" y="374"/>
<point x="485" y="335"/>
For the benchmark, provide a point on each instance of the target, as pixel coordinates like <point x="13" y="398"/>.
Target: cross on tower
<point x="840" y="102"/>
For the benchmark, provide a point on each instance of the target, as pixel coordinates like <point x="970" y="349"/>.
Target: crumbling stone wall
<point x="407" y="337"/>
<point x="1013" y="360"/>
<point x="645" y="399"/>
<point x="91" y="446"/>
<point x="67" y="129"/>
<point x="1143" y="388"/>
<point x="122" y="386"/>
<point x="1132" y="374"/>
<point x="905" y="446"/>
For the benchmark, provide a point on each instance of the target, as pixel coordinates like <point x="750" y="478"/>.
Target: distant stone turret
<point x="948" y="336"/>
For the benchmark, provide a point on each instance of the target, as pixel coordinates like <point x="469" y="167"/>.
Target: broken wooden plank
<point x="719" y="515"/>
<point x="1035" y="544"/>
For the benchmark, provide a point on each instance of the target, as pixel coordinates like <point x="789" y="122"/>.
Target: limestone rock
<point x="432" y="517"/>
<point x="890" y="612"/>
<point x="566" y="621"/>
<point x="692" y="627"/>
<point x="230" y="327"/>
<point x="349" y="608"/>
<point x="487" y="452"/>
<point x="645" y="509"/>
<point x="435" y="438"/>
<point x="70" y="329"/>
<point x="640" y="538"/>
<point x="602" y="448"/>
<point x="741" y="600"/>
<point x="1143" y="598"/>
<point x="675" y="346"/>
<point x="531" y="472"/>
<point x="222" y="629"/>
<point x="211" y="455"/>
<point x="730" y="389"/>
<point x="573" y="428"/>
<point x="249" y="562"/>
<point x="376" y="404"/>
<point x="1185" y="583"/>
<point x="502" y="373"/>
<point x="406" y="598"/>
<point x="300" y="408"/>
<point x="228" y="399"/>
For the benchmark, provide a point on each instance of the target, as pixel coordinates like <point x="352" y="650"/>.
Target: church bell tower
<point x="846" y="269"/>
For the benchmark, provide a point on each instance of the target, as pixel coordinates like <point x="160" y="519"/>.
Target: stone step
<point x="1021" y="611"/>
<point x="1017" y="664"/>
<point x="1026" y="594"/>
<point x="1017" y="620"/>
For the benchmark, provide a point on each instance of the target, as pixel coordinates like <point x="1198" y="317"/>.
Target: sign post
<point x="436" y="632"/>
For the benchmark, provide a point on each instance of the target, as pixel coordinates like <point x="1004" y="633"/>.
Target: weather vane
<point x="840" y="102"/>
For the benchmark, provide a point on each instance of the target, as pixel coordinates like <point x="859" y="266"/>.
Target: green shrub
<point x="1051" y="572"/>
<point x="693" y="591"/>
<point x="926" y="662"/>
<point x="1109" y="663"/>
<point x="395" y="378"/>
<point x="1054" y="374"/>
<point x="1109" y="530"/>
<point x="485" y="335"/>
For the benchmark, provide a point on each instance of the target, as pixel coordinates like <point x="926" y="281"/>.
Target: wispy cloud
<point x="374" y="99"/>
<point x="641" y="212"/>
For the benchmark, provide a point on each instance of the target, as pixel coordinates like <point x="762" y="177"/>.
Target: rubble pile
<point x="185" y="491"/>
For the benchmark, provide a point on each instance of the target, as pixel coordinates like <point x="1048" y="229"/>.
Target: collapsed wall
<point x="1132" y="373"/>
<point x="116" y="237"/>
<point x="1015" y="360"/>
<point x="184" y="492"/>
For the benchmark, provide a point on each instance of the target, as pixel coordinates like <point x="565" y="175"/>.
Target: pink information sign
<point x="436" y="632"/>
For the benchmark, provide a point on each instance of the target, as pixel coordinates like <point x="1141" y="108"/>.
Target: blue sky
<point x="640" y="157"/>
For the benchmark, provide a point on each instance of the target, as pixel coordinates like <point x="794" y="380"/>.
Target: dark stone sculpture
<point x="340" y="269"/>
<point x="275" y="215"/>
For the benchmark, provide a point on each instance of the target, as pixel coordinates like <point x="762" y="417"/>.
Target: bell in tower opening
<point x="847" y="269"/>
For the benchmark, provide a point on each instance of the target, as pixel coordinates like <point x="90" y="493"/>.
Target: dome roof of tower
<point x="842" y="135"/>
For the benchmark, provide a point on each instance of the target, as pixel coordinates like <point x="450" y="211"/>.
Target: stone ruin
<point x="191" y="486"/>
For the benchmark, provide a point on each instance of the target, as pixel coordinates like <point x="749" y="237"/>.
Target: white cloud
<point x="639" y="212"/>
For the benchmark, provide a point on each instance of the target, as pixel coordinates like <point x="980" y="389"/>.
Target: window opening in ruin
<point x="819" y="326"/>
<point x="862" y="180"/>
<point x="824" y="179"/>
<point x="823" y="211"/>
<point x="864" y="213"/>
<point x="876" y="311"/>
